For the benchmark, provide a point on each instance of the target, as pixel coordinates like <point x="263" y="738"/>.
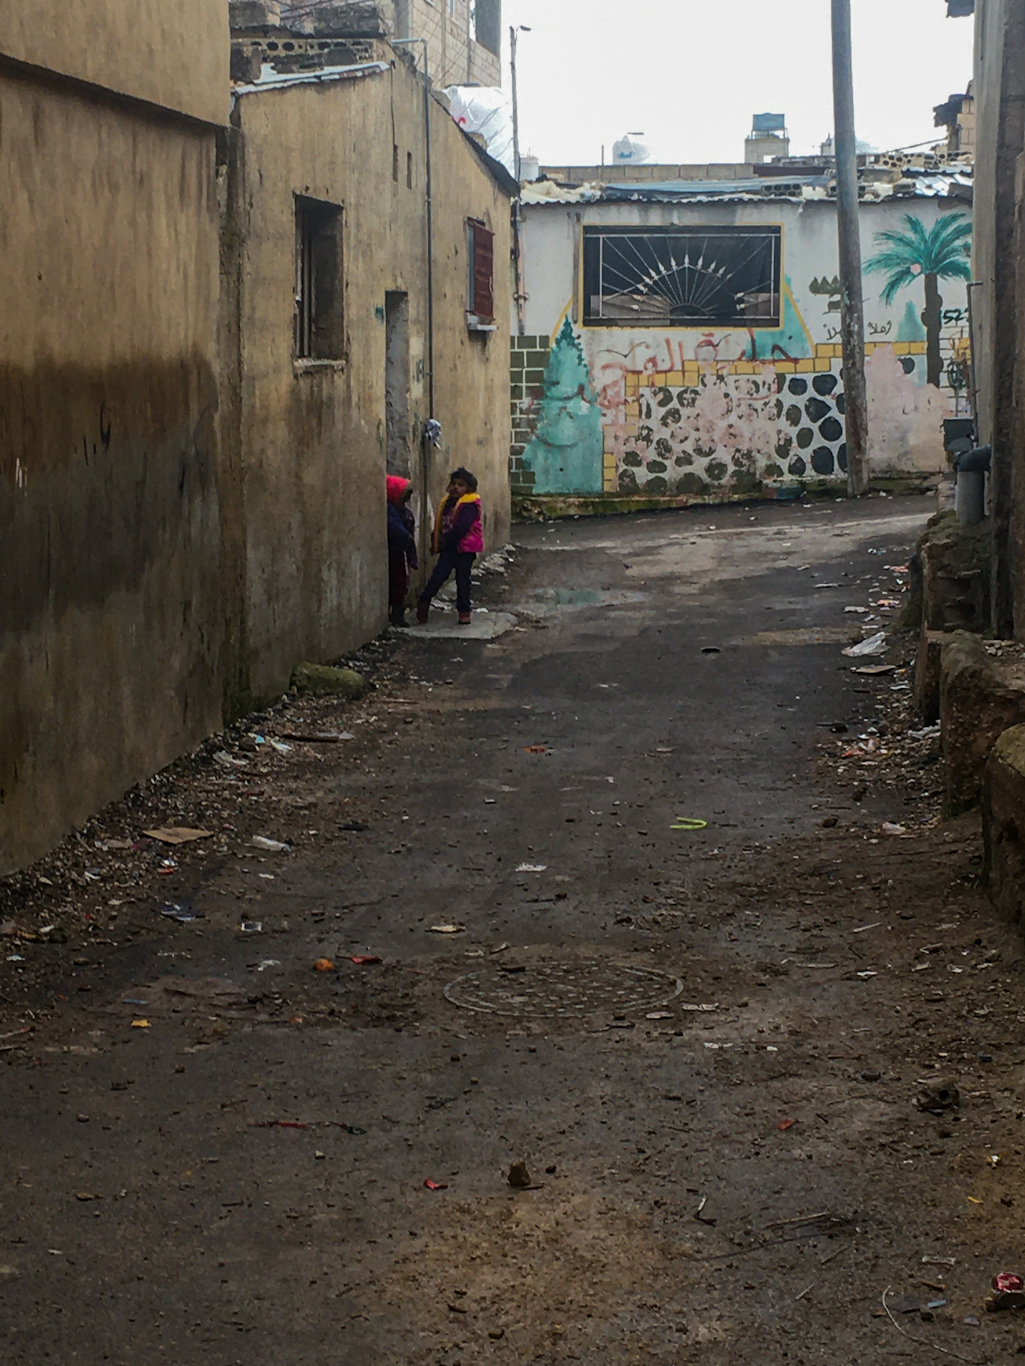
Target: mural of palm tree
<point x="933" y="254"/>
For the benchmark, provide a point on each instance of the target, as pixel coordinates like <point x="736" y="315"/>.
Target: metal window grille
<point x="480" y="255"/>
<point x="682" y="277"/>
<point x="319" y="317"/>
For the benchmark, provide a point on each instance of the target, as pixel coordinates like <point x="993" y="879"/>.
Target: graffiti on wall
<point x="736" y="409"/>
<point x="915" y="253"/>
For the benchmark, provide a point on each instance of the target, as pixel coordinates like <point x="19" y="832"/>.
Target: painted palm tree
<point x="933" y="254"/>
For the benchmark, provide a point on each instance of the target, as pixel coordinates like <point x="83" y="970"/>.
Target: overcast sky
<point x="690" y="73"/>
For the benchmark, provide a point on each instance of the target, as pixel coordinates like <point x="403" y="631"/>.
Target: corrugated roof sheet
<point x="799" y="189"/>
<point x="281" y="80"/>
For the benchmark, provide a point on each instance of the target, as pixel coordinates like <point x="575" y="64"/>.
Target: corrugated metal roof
<point x="759" y="185"/>
<point x="281" y="80"/>
<point x="799" y="189"/>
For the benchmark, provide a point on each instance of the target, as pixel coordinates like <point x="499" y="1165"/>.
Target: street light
<point x="515" y="29"/>
<point x="521" y="297"/>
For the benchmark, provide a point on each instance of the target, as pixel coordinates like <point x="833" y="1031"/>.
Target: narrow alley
<point x="602" y="897"/>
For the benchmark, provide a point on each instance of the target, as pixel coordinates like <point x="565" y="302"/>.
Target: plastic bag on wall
<point x="486" y="110"/>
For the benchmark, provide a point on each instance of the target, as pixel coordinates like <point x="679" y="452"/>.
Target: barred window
<point x="682" y="277"/>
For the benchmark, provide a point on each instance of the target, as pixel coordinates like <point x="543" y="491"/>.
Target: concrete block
<point x="343" y="18"/>
<point x="322" y="680"/>
<point x="927" y="675"/>
<point x="246" y="14"/>
<point x="1003" y="824"/>
<point x="955" y="575"/>
<point x="979" y="700"/>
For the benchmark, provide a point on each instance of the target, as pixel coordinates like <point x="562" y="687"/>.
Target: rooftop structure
<point x="463" y="40"/>
<point x="768" y="139"/>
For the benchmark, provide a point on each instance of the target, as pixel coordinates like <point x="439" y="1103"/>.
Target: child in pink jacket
<point x="458" y="540"/>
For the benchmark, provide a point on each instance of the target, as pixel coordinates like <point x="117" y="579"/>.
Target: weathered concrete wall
<point x="175" y="56"/>
<point x="703" y="411"/>
<point x="979" y="700"/>
<point x="111" y="611"/>
<point x="1000" y="109"/>
<point x="1003" y="824"/>
<point x="313" y="434"/>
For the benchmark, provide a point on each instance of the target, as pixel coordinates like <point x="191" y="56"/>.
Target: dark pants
<point x="449" y="560"/>
<point x="398" y="578"/>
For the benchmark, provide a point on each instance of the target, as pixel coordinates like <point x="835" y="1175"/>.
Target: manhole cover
<point x="562" y="990"/>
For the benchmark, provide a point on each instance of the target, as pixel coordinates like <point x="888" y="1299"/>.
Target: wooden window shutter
<point x="483" y="272"/>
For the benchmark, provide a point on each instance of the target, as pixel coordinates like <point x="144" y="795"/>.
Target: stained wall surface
<point x="705" y="411"/>
<point x="313" y="434"/>
<point x="173" y="55"/>
<point x="110" y="617"/>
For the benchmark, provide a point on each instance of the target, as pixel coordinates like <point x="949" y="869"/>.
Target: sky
<point x="689" y="74"/>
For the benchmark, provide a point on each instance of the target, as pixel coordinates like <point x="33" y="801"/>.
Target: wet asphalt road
<point x="239" y="1175"/>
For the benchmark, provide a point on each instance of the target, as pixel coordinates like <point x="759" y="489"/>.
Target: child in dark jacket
<point x="401" y="547"/>
<point x="458" y="540"/>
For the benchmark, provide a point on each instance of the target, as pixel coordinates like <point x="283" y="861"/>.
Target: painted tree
<point x="931" y="254"/>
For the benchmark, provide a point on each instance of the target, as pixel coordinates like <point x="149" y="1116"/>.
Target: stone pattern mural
<point x="740" y="429"/>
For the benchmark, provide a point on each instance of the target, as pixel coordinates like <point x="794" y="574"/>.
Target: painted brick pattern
<point x="528" y="359"/>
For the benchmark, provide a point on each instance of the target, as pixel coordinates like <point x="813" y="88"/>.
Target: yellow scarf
<point x="466" y="498"/>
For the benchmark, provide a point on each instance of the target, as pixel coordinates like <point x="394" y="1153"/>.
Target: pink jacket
<point x="460" y="525"/>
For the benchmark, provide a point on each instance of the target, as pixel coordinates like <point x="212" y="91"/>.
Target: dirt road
<point x="616" y="942"/>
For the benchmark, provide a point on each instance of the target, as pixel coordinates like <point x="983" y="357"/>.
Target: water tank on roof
<point x="629" y="150"/>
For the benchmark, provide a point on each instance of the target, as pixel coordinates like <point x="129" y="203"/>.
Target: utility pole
<point x="852" y="318"/>
<point x="521" y="297"/>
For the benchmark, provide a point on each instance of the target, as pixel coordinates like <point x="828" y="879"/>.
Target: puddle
<point x="546" y="601"/>
<point x="808" y="635"/>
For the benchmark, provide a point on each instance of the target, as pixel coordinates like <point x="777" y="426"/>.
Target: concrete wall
<point x="111" y="612"/>
<point x="175" y="56"/>
<point x="708" y="412"/>
<point x="312" y="435"/>
<point x="1000" y="117"/>
<point x="456" y="58"/>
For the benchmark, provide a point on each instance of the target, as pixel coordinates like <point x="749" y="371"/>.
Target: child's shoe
<point x="464" y="618"/>
<point x="397" y="617"/>
<point x="423" y="611"/>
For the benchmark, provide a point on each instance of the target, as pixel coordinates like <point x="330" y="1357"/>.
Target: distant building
<point x="957" y="115"/>
<point x="464" y="39"/>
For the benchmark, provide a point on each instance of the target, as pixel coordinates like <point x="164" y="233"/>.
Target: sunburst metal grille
<point x="725" y="277"/>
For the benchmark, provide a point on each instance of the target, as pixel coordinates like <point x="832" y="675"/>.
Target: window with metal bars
<point x="319" y="293"/>
<point x="480" y="257"/>
<point x="682" y="277"/>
